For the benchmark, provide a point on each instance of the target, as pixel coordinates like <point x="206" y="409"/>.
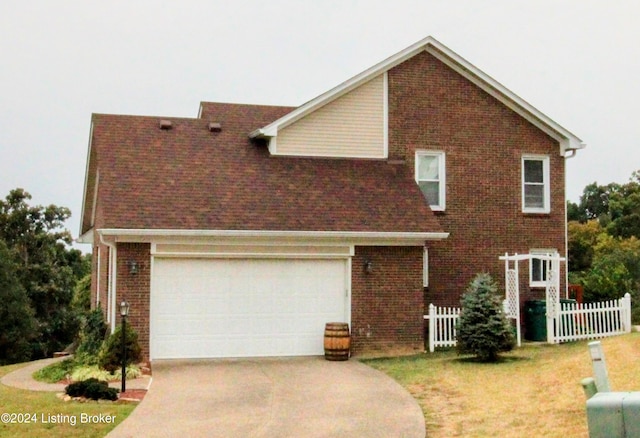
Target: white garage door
<point x="203" y="308"/>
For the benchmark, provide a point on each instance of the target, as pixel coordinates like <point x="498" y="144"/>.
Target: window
<point x="538" y="267"/>
<point x="535" y="184"/>
<point x="430" y="172"/>
<point x="425" y="268"/>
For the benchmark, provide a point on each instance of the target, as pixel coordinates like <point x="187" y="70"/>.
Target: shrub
<point x="92" y="388"/>
<point x="92" y="336"/>
<point x="56" y="372"/>
<point x="482" y="329"/>
<point x="86" y="372"/>
<point x="90" y="372"/>
<point x="110" y="357"/>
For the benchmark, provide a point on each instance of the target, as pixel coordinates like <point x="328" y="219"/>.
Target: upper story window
<point x="430" y="176"/>
<point x="536" y="191"/>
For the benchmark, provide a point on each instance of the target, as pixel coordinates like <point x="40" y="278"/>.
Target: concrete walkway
<point x="292" y="397"/>
<point x="23" y="378"/>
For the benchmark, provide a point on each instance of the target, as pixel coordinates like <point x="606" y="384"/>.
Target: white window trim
<point x="441" y="171"/>
<point x="533" y="253"/>
<point x="425" y="268"/>
<point x="546" y="181"/>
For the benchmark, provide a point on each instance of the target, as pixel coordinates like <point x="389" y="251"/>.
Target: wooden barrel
<point x="337" y="341"/>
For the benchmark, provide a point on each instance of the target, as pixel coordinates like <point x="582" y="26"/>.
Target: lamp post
<point x="124" y="312"/>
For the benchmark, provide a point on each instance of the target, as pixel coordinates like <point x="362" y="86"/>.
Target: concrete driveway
<point x="292" y="397"/>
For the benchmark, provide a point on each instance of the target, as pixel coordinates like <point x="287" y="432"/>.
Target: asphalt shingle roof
<point x="190" y="178"/>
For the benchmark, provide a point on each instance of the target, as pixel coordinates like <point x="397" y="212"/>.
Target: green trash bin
<point x="535" y="320"/>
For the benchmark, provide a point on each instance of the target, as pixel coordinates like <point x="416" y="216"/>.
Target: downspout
<point x="572" y="154"/>
<point x="98" y="269"/>
<point x="111" y="285"/>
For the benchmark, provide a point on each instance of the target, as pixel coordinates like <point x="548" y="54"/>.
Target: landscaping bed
<point x="46" y="407"/>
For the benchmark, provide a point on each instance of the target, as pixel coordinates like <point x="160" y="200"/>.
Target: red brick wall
<point x="431" y="107"/>
<point x="387" y="304"/>
<point x="135" y="288"/>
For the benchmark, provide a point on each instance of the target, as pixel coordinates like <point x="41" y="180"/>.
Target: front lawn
<point x="42" y="409"/>
<point x="534" y="391"/>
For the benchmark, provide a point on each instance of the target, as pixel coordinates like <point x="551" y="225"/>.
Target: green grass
<point x="533" y="391"/>
<point x="45" y="406"/>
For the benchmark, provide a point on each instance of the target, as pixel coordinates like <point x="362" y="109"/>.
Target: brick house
<point x="243" y="231"/>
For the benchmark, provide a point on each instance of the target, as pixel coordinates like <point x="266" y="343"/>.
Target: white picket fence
<point x="593" y="320"/>
<point x="577" y="321"/>
<point x="442" y="326"/>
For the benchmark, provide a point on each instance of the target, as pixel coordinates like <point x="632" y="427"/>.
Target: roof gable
<point x="567" y="140"/>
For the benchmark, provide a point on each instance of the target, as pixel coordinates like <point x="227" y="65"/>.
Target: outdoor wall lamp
<point x="124" y="312"/>
<point x="133" y="267"/>
<point x="124" y="309"/>
<point x="368" y="266"/>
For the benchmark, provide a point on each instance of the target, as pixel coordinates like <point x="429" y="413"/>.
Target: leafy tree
<point x="482" y="329"/>
<point x="624" y="209"/>
<point x="46" y="267"/>
<point x="614" y="271"/>
<point x="17" y="324"/>
<point x="575" y="213"/>
<point x="582" y="239"/>
<point x="82" y="295"/>
<point x="615" y="206"/>
<point x="594" y="202"/>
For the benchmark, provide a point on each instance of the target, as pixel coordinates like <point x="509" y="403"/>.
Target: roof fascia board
<point x="494" y="88"/>
<point x="567" y="140"/>
<point x="94" y="204"/>
<point x="86" y="180"/>
<point x="275" y="237"/>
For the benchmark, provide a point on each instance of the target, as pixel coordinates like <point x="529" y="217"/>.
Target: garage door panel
<point x="244" y="307"/>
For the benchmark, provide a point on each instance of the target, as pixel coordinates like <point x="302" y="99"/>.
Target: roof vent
<point x="215" y="127"/>
<point x="165" y="124"/>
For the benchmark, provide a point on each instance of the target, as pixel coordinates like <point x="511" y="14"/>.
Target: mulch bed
<point x="132" y="395"/>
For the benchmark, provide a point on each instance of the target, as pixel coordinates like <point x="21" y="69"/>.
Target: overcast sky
<point x="577" y="61"/>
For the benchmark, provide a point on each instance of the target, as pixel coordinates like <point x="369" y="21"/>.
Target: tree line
<point x="604" y="241"/>
<point x="42" y="295"/>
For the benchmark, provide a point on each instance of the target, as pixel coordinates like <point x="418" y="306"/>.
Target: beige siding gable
<point x="353" y="125"/>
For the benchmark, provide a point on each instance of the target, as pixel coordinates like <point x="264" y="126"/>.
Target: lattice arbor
<point x="512" y="300"/>
<point x="552" y="294"/>
<point x="512" y="292"/>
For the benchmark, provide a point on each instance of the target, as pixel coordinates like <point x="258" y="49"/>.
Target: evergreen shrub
<point x="110" y="357"/>
<point x="92" y="388"/>
<point x="483" y="329"/>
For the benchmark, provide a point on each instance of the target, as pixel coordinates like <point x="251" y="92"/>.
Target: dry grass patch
<point x="534" y="390"/>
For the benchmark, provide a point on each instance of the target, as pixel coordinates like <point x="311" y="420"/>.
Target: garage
<point x="244" y="307"/>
